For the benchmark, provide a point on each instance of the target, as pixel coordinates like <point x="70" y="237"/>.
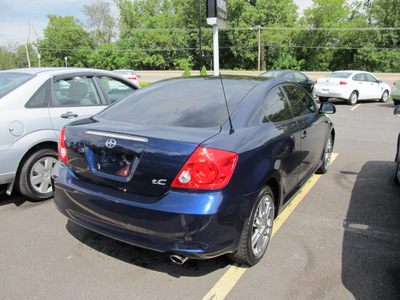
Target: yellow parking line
<point x="226" y="283"/>
<point x="355" y="107"/>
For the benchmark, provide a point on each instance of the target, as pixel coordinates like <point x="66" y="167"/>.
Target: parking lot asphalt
<point x="342" y="241"/>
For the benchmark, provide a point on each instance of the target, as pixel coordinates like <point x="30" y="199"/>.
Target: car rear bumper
<point x="195" y="225"/>
<point x="330" y="92"/>
<point x="395" y="96"/>
<point x="9" y="160"/>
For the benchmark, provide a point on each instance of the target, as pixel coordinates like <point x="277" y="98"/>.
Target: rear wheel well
<point x="333" y="136"/>
<point x="274" y="185"/>
<point x="45" y="145"/>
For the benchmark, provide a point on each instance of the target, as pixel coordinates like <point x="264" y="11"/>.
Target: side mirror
<point x="327" y="108"/>
<point x="397" y="110"/>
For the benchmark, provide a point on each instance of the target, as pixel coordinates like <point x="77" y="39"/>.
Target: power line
<point x="247" y="28"/>
<point x="248" y="46"/>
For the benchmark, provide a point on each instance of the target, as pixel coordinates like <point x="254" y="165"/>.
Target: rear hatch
<point x="139" y="159"/>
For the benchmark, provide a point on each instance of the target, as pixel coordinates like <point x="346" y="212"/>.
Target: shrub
<point x="203" y="71"/>
<point x="186" y="73"/>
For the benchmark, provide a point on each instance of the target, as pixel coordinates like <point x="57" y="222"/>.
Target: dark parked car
<point x="397" y="159"/>
<point x="293" y="75"/>
<point x="169" y="169"/>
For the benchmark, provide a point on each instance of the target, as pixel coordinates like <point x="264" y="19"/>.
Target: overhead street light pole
<point x="216" y="16"/>
<point x="216" y="50"/>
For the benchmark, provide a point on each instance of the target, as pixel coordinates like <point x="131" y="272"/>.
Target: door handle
<point x="304" y="135"/>
<point x="68" y="115"/>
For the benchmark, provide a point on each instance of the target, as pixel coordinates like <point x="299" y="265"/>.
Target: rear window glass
<point x="125" y="72"/>
<point x="339" y="75"/>
<point x="195" y="102"/>
<point x="11" y="80"/>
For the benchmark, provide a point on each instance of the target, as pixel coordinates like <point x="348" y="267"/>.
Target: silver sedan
<point x="35" y="104"/>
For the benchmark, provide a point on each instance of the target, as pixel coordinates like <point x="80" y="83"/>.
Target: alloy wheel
<point x="262" y="225"/>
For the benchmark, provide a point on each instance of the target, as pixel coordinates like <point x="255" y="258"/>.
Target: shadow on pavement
<point x="15" y="197"/>
<point x="371" y="243"/>
<point x="144" y="258"/>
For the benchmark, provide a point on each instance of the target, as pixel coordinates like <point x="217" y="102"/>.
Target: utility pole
<point x="259" y="47"/>
<point x="27" y="53"/>
<point x="200" y="53"/>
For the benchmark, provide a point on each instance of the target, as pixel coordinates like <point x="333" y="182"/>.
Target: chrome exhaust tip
<point x="177" y="259"/>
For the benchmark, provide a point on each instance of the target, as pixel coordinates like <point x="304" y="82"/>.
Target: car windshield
<point x="339" y="75"/>
<point x="191" y="102"/>
<point x="11" y="80"/>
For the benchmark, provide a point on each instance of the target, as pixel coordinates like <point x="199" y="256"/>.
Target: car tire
<point x="34" y="181"/>
<point x="323" y="99"/>
<point x="353" y="98"/>
<point x="385" y="96"/>
<point x="258" y="228"/>
<point x="326" y="158"/>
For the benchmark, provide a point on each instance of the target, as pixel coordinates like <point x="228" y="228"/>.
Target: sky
<point x="24" y="20"/>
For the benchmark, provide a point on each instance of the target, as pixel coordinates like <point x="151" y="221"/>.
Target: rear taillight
<point x="316" y="81"/>
<point x="62" y="150"/>
<point x="342" y="82"/>
<point x="206" y="168"/>
<point x="394" y="83"/>
<point x="132" y="78"/>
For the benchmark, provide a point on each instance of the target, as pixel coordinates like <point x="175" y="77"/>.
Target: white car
<point x="351" y="86"/>
<point x="128" y="74"/>
<point x="35" y="104"/>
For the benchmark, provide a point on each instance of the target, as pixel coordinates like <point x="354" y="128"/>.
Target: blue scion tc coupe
<point x="197" y="167"/>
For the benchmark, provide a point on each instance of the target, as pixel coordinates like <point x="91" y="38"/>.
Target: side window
<point x="41" y="97"/>
<point x="289" y="76"/>
<point x="300" y="76"/>
<point x="370" y="78"/>
<point x="76" y="91"/>
<point x="359" y="77"/>
<point x="115" y="89"/>
<point x="275" y="107"/>
<point x="301" y="103"/>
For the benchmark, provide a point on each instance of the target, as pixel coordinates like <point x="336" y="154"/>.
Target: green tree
<point x="320" y="40"/>
<point x="101" y="24"/>
<point x="7" y="59"/>
<point x="15" y="57"/>
<point x="160" y="31"/>
<point x="385" y="14"/>
<point x="63" y="37"/>
<point x="248" y="17"/>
